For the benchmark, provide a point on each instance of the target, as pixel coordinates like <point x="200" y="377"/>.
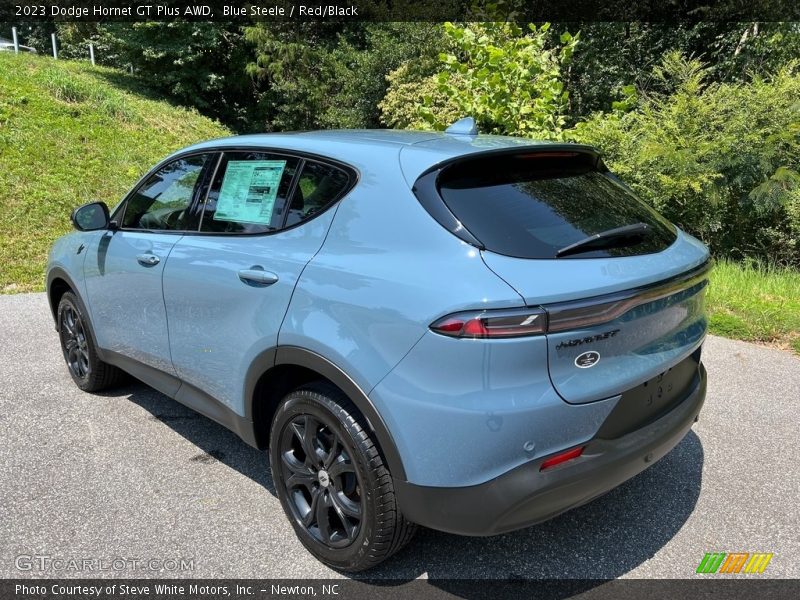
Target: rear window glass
<point x="532" y="205"/>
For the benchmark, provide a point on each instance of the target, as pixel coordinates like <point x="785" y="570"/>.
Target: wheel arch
<point x="58" y="284"/>
<point x="277" y="372"/>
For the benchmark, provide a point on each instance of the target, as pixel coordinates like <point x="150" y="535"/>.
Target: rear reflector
<point x="562" y="458"/>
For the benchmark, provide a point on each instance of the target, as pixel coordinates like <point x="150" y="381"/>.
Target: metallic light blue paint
<point x="360" y="284"/>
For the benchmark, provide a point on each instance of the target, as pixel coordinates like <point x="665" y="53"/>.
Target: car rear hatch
<point x="623" y="288"/>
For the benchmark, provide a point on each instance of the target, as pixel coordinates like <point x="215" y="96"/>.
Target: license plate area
<point x="651" y="400"/>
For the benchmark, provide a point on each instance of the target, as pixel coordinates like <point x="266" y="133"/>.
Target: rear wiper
<point x="612" y="238"/>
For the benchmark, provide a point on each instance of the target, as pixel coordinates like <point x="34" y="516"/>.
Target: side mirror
<point x="91" y="217"/>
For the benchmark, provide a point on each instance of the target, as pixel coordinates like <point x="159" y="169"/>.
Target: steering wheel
<point x="173" y="219"/>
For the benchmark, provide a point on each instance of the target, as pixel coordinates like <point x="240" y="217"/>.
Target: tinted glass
<point x="319" y="185"/>
<point x="249" y="193"/>
<point x="531" y="206"/>
<point x="164" y="200"/>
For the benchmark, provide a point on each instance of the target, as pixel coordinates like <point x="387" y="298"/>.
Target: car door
<point x="227" y="287"/>
<point x="124" y="267"/>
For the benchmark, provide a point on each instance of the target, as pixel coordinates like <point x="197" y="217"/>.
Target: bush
<point x="412" y="100"/>
<point x="508" y="79"/>
<point x="720" y="160"/>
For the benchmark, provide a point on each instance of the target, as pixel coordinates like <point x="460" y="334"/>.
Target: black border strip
<point x="523" y="11"/>
<point x="729" y="587"/>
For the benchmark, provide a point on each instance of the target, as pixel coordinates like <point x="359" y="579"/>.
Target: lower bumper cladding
<point x="528" y="495"/>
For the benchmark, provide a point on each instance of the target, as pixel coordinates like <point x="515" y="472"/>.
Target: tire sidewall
<point x="320" y="405"/>
<point x="69" y="299"/>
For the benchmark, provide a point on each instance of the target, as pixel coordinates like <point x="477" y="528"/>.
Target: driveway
<point x="133" y="474"/>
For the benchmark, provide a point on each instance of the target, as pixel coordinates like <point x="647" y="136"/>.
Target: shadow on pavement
<point x="601" y="540"/>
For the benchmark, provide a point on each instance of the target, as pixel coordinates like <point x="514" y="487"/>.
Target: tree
<point x="614" y="56"/>
<point x="510" y="80"/>
<point x="199" y="64"/>
<point x="318" y="75"/>
<point x="718" y="159"/>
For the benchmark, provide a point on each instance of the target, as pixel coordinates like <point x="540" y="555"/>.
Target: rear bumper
<point x="525" y="496"/>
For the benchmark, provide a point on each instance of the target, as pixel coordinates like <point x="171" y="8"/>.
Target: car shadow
<point x="214" y="441"/>
<point x="602" y="540"/>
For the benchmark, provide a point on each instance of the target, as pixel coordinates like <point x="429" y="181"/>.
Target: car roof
<point x="368" y="148"/>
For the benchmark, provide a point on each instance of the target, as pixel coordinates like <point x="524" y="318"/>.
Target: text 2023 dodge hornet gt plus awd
<point x="471" y="333"/>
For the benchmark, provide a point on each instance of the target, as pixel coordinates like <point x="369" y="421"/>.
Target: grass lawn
<point x="71" y="133"/>
<point x="756" y="304"/>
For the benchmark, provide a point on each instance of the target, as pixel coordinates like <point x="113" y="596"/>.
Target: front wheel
<point x="332" y="481"/>
<point x="87" y="370"/>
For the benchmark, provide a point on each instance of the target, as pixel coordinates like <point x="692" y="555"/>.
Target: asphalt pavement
<point x="131" y="474"/>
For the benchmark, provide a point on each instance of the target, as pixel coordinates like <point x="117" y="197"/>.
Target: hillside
<point x="71" y="133"/>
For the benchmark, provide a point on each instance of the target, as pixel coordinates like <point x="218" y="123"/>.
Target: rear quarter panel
<point x="385" y="272"/>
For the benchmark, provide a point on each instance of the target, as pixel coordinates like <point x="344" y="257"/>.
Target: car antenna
<point x="465" y="126"/>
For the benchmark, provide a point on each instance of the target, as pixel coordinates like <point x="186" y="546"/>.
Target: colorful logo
<point x="734" y="562"/>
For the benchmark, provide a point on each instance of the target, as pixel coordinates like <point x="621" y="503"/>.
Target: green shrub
<point x="505" y="77"/>
<point x="413" y="100"/>
<point x="720" y="160"/>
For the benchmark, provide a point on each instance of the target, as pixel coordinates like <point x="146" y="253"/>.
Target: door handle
<point x="148" y="260"/>
<point x="257" y="276"/>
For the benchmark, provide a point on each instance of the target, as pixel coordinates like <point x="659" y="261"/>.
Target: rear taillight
<point x="565" y="316"/>
<point x="493" y="323"/>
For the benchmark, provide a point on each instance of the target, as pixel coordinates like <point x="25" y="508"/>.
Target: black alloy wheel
<point x="322" y="484"/>
<point x="75" y="345"/>
<point x="332" y="481"/>
<point x="88" y="371"/>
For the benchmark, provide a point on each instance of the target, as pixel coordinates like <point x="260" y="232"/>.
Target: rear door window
<point x="260" y="192"/>
<point x="249" y="193"/>
<point x="534" y="204"/>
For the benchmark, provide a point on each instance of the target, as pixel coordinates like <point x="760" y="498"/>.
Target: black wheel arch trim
<point x="59" y="273"/>
<point x="295" y="355"/>
<point x="52" y="275"/>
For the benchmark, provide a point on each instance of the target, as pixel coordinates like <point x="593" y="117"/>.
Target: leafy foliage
<point x="615" y="55"/>
<point x="321" y="76"/>
<point x="721" y="160"/>
<point x="412" y="100"/>
<point x="507" y="78"/>
<point x="198" y="64"/>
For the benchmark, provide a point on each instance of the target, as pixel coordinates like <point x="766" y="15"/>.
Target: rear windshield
<point x="533" y="205"/>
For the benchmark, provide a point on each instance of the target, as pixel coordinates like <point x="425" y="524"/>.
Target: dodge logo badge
<point x="587" y="359"/>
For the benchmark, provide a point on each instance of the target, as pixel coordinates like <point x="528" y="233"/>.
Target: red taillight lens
<point x="452" y="325"/>
<point x="562" y="458"/>
<point x="493" y="323"/>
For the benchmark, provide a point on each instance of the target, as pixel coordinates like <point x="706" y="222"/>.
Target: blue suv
<point x="466" y="332"/>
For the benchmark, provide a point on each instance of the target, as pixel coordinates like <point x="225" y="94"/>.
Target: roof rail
<point x="465" y="126"/>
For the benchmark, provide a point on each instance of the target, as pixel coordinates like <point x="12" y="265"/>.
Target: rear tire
<point x="87" y="370"/>
<point x="332" y="481"/>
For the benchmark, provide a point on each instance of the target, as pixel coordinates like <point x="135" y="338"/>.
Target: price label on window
<point x="249" y="190"/>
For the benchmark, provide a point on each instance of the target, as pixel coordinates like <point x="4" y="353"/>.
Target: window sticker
<point x="249" y="190"/>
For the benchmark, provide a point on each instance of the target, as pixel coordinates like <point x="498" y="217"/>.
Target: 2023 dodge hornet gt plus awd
<point x="466" y="332"/>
